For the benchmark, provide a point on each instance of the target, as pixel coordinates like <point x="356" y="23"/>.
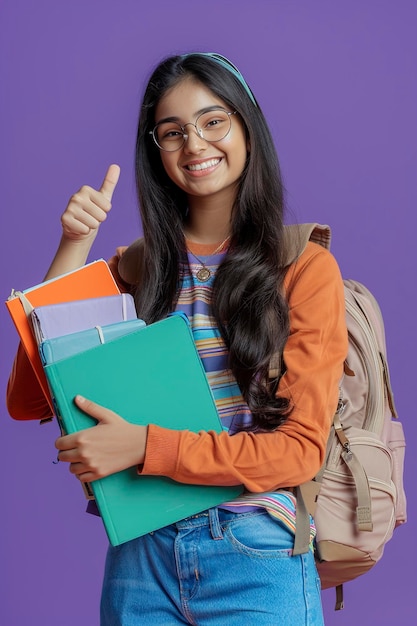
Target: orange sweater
<point x="292" y="454"/>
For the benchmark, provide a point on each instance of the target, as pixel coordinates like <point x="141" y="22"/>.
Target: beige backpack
<point x="358" y="498"/>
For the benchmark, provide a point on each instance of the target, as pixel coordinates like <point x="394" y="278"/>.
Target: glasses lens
<point x="214" y="125"/>
<point x="169" y="136"/>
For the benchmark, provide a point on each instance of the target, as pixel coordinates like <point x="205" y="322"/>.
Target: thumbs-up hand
<point x="88" y="208"/>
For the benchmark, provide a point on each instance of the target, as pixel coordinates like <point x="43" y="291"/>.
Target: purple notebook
<point x="55" y="320"/>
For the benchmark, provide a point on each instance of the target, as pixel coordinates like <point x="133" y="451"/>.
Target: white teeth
<point x="203" y="166"/>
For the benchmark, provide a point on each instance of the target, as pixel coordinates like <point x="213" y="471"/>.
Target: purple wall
<point x="337" y="82"/>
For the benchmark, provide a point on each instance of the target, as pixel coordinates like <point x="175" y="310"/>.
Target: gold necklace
<point x="203" y="274"/>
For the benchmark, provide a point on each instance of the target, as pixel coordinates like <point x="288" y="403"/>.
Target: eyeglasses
<point x="213" y="125"/>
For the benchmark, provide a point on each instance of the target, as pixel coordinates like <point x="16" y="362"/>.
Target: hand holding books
<point x="112" y="446"/>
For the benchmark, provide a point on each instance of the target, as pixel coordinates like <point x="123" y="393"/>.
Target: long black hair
<point x="247" y="301"/>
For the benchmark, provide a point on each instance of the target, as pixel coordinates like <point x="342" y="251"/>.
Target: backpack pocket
<point x="336" y="515"/>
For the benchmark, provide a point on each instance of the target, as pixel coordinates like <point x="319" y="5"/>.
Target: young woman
<point x="268" y="321"/>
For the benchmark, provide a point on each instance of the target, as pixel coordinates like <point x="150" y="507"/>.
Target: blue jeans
<point x="214" y="569"/>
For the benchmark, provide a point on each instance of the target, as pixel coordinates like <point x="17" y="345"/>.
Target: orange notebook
<point x="93" y="280"/>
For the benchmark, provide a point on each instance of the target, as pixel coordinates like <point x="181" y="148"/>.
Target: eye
<point x="214" y="122"/>
<point x="169" y="134"/>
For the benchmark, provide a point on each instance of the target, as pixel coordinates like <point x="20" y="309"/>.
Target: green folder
<point x="153" y="375"/>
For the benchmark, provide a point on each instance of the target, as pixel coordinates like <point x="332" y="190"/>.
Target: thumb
<point x="98" y="412"/>
<point x="110" y="181"/>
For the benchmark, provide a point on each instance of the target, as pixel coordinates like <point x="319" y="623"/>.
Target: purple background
<point x="337" y="82"/>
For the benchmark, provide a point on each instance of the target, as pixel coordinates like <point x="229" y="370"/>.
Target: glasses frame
<point x="199" y="131"/>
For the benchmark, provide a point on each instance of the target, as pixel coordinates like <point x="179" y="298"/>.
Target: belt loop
<point x="215" y="528"/>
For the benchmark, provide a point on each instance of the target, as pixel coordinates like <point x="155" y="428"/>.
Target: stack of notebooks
<point x="146" y="374"/>
<point x="94" y="280"/>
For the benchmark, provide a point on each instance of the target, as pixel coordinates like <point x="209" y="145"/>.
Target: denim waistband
<point x="215" y="518"/>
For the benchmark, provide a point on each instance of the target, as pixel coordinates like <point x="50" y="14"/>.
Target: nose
<point x="193" y="141"/>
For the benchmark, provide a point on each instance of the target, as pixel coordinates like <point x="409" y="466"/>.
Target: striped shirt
<point x="194" y="300"/>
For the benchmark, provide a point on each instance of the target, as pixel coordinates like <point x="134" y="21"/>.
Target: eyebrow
<point x="214" y="107"/>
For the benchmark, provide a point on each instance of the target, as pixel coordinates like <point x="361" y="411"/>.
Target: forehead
<point x="186" y="99"/>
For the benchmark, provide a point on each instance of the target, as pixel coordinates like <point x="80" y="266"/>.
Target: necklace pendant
<point x="203" y="274"/>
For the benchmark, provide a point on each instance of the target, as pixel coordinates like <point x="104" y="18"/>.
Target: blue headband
<point x="228" y="65"/>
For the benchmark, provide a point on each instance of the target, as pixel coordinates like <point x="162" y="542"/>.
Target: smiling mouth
<point x="195" y="167"/>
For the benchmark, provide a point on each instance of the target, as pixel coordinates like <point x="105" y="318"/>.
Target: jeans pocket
<point x="260" y="534"/>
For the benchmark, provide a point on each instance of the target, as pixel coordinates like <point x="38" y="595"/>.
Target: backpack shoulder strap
<point x="297" y="236"/>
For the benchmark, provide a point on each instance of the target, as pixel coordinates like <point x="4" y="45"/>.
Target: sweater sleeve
<point x="314" y="356"/>
<point x="25" y="399"/>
